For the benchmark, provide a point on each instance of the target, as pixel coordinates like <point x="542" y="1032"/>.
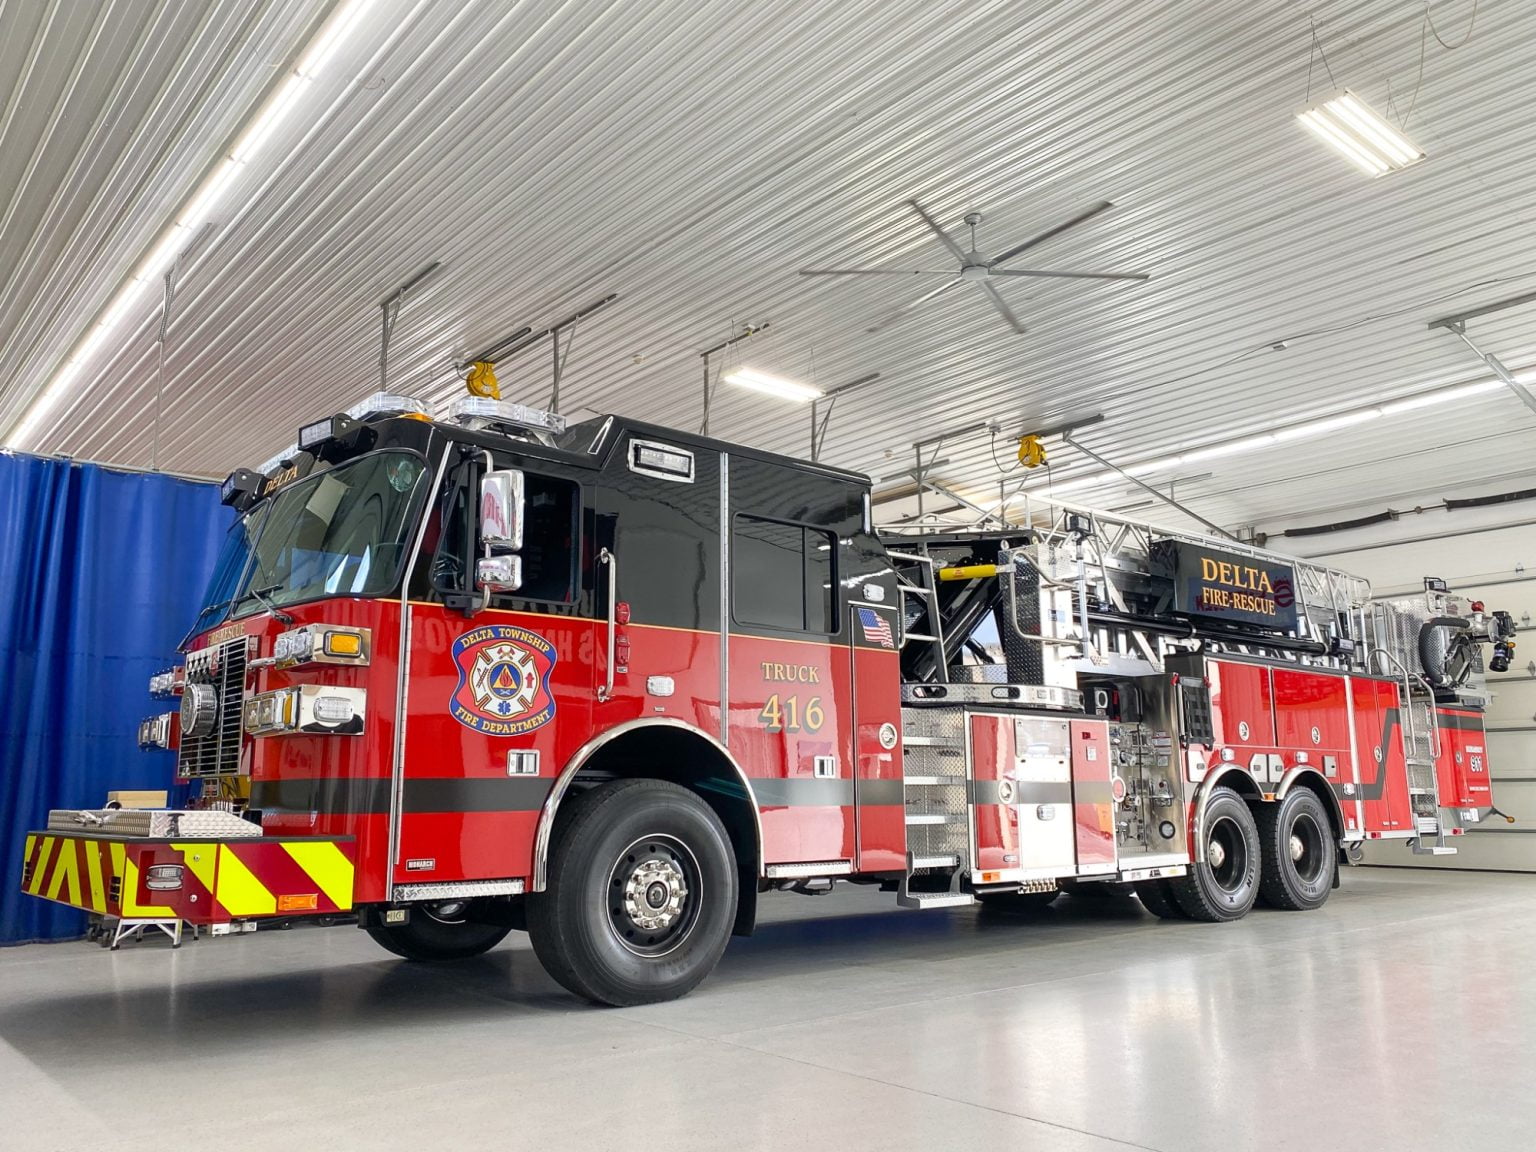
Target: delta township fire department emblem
<point x="503" y="680"/>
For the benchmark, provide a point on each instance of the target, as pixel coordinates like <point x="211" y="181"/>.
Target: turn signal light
<point x="343" y="644"/>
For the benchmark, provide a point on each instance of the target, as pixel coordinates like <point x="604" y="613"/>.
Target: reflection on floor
<point x="1400" y="1016"/>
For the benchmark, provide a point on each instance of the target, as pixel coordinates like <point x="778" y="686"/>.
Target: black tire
<point x="1300" y="857"/>
<point x="439" y="932"/>
<point x="1225" y="884"/>
<point x="1020" y="903"/>
<point x="1157" y="898"/>
<point x="641" y="894"/>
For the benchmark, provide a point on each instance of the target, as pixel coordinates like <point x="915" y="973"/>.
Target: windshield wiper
<point x="260" y="596"/>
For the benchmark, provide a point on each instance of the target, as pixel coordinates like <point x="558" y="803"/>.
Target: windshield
<point x="339" y="533"/>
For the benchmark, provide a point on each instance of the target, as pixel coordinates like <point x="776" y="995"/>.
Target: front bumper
<point x="217" y="881"/>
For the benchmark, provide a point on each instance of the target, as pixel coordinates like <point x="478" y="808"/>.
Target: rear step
<point x="934" y="899"/>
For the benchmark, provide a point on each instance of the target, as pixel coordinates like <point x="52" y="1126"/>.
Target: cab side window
<point x="782" y="575"/>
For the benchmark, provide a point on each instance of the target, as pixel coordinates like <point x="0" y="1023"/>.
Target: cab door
<point x="497" y="698"/>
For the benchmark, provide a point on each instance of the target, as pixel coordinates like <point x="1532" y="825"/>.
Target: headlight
<point x="156" y="732"/>
<point x="308" y="709"/>
<point x="167" y="683"/>
<point x="322" y="644"/>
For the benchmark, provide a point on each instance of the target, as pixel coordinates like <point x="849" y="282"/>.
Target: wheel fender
<point x="1228" y="775"/>
<point x="584" y="755"/>
<point x="1331" y="802"/>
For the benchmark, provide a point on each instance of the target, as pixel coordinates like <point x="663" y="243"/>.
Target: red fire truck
<point x="608" y="682"/>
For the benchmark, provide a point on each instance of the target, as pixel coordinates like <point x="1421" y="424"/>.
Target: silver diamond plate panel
<point x="459" y="891"/>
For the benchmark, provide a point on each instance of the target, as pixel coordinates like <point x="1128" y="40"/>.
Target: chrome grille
<point x="221" y="666"/>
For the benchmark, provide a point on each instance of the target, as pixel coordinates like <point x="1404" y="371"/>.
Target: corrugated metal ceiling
<point x="691" y="156"/>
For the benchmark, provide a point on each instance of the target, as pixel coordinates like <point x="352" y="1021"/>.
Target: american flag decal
<point x="877" y="629"/>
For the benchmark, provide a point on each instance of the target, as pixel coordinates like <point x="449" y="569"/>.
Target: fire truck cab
<point x="608" y="682"/>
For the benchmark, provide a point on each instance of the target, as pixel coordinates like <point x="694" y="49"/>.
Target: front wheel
<point x="641" y="894"/>
<point x="439" y="931"/>
<point x="1299" y="854"/>
<point x="1225" y="884"/>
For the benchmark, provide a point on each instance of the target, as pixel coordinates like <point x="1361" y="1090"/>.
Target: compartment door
<point x="1022" y="790"/>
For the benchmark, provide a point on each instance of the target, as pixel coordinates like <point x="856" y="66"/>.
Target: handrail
<point x="1408" y="676"/>
<point x="1013" y="607"/>
<point x="605" y="693"/>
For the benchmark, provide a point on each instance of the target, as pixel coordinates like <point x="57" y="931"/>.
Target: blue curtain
<point x="100" y="574"/>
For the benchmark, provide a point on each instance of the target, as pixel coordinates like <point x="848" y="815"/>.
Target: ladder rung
<point x="921" y="636"/>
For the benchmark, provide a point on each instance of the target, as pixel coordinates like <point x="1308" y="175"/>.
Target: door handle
<point x="605" y="693"/>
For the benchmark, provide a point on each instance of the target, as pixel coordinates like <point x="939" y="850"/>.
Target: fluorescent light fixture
<point x="196" y="211"/>
<point x="771" y="385"/>
<point x="1320" y="427"/>
<point x="1349" y="126"/>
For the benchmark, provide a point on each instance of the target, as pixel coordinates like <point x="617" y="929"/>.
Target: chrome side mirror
<point x="499" y="573"/>
<point x="501" y="510"/>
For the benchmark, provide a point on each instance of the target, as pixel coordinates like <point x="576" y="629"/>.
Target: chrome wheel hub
<point x="654" y="894"/>
<point x="1298" y="848"/>
<point x="1215" y="854"/>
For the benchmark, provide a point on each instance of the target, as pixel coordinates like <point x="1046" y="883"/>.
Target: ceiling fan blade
<point x="1001" y="305"/>
<point x="876" y="272"/>
<point x="955" y="250"/>
<point x="1070" y="275"/>
<point x="1056" y="231"/>
<point x="891" y="317"/>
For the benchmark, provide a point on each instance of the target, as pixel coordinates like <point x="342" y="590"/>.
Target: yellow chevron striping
<point x="239" y="890"/>
<point x="202" y="862"/>
<point x="40" y="873"/>
<point x="93" y="870"/>
<point x="66" y="874"/>
<point x="328" y="866"/>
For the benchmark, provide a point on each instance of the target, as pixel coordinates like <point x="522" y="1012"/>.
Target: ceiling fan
<point x="977" y="269"/>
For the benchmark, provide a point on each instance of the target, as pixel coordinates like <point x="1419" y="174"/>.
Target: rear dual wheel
<point x="1224" y="885"/>
<point x="1300" y="860"/>
<point x="1019" y="903"/>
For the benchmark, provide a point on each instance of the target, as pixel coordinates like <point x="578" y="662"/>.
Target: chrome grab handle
<point x="605" y="693"/>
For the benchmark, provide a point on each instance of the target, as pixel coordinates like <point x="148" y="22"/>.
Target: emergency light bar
<point x="481" y="411"/>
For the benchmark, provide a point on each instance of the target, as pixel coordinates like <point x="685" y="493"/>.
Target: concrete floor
<point x="1401" y="1016"/>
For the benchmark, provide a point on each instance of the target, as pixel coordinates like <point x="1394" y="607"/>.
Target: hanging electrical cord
<point x="1467" y="35"/>
<point x="1426" y="28"/>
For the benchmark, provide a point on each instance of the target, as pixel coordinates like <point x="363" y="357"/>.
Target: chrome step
<point x="933" y="781"/>
<point x="949" y="861"/>
<point x="1432" y="849"/>
<point x="1427" y="824"/>
<point x="944" y="742"/>
<point x="935" y="818"/>
<point x="935" y="899"/>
